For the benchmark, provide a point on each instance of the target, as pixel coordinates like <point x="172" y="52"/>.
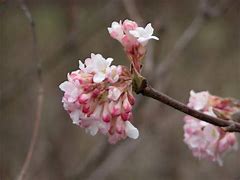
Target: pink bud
<point x="86" y="109"/>
<point x="106" y="115"/>
<point x="126" y="116"/>
<point x="126" y="105"/>
<point x="115" y="108"/>
<point x="97" y="112"/>
<point x="83" y="98"/>
<point x="96" y="92"/>
<point x="131" y="98"/>
<point x="129" y="25"/>
<point x="119" y="125"/>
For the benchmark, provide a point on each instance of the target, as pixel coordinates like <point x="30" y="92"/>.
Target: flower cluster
<point x="206" y="140"/>
<point x="133" y="38"/>
<point x="98" y="97"/>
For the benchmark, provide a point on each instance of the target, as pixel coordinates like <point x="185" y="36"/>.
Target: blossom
<point x="98" y="97"/>
<point x="116" y="31"/>
<point x="113" y="73"/>
<point x="97" y="65"/>
<point x="205" y="140"/>
<point x="133" y="38"/>
<point x="143" y="34"/>
<point x="198" y="101"/>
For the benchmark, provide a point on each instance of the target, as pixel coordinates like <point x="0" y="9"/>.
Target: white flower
<point x="93" y="129"/>
<point x="116" y="30"/>
<point x="198" y="101"/>
<point x="131" y="131"/>
<point x="75" y="116"/>
<point x="211" y="133"/>
<point x="113" y="73"/>
<point x="99" y="66"/>
<point x="71" y="90"/>
<point x="143" y="34"/>
<point x="97" y="126"/>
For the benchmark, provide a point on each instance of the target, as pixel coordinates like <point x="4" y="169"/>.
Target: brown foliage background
<point x="69" y="30"/>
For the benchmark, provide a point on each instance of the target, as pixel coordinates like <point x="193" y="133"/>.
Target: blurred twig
<point x="114" y="160"/>
<point x="94" y="159"/>
<point x="40" y="92"/>
<point x="131" y="8"/>
<point x="51" y="61"/>
<point x="206" y="12"/>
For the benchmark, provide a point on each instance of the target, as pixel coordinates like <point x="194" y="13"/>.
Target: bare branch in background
<point x="114" y="160"/>
<point x="94" y="159"/>
<point x="131" y="8"/>
<point x="40" y="92"/>
<point x="205" y="13"/>
<point x="51" y="61"/>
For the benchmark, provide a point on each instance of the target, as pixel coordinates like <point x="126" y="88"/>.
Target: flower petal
<point x="131" y="131"/>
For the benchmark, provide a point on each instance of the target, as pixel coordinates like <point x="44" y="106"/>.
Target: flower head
<point x="206" y="140"/>
<point x="97" y="97"/>
<point x="133" y="38"/>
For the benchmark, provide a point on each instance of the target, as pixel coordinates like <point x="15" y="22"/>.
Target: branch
<point x="148" y="91"/>
<point x="40" y="92"/>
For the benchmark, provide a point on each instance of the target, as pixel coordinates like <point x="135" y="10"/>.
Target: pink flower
<point x="206" y="140"/>
<point x="98" y="97"/>
<point x="113" y="73"/>
<point x="129" y="25"/>
<point x="133" y="38"/>
<point x="116" y="31"/>
<point x="198" y="101"/>
<point x="143" y="35"/>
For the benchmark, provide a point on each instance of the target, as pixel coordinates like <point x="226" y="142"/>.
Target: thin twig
<point x="40" y="92"/>
<point x="205" y="14"/>
<point x="51" y="61"/>
<point x="132" y="10"/>
<point x="94" y="159"/>
<point x="113" y="160"/>
<point x="229" y="124"/>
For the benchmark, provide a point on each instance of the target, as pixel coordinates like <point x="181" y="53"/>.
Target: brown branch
<point x="40" y="92"/>
<point x="148" y="91"/>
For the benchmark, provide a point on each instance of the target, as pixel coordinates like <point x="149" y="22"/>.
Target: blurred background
<point x="199" y="49"/>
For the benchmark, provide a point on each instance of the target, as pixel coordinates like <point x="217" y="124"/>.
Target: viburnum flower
<point x="98" y="97"/>
<point x="133" y="38"/>
<point x="206" y="140"/>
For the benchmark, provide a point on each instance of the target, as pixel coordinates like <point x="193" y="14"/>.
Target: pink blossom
<point x="133" y="38"/>
<point x="98" y="97"/>
<point x="205" y="140"/>
<point x="129" y="25"/>
<point x="113" y="73"/>
<point x="116" y="31"/>
<point x="143" y="34"/>
<point x="198" y="101"/>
